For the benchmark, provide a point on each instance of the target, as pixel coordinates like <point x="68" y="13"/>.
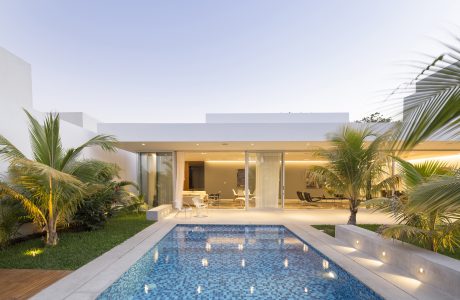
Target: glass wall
<point x="217" y="178"/>
<point x="301" y="189"/>
<point x="156" y="178"/>
<point x="265" y="180"/>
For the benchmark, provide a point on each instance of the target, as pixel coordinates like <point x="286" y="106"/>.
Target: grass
<point x="75" y="248"/>
<point x="330" y="230"/>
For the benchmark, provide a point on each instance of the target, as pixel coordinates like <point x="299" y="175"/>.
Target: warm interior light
<point x="197" y="144"/>
<point x="384" y="253"/>
<point x="421" y="270"/>
<point x="357" y="242"/>
<point x="143" y="144"/>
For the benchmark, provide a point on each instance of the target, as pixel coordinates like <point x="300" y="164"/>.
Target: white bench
<point x="159" y="213"/>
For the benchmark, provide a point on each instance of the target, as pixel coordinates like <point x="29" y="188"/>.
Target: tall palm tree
<point x="436" y="228"/>
<point x="50" y="185"/>
<point x="433" y="111"/>
<point x="354" y="162"/>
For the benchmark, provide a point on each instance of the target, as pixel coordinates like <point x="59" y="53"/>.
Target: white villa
<point x="239" y="161"/>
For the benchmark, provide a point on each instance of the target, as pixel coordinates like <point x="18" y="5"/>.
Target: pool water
<point x="235" y="262"/>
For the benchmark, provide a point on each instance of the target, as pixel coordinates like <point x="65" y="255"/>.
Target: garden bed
<point x="330" y="230"/>
<point x="75" y="248"/>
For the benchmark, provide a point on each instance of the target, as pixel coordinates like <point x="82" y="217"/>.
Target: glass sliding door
<point x="156" y="178"/>
<point x="264" y="180"/>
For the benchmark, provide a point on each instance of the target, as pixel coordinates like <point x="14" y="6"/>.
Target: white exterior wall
<point x="273" y="118"/>
<point x="16" y="94"/>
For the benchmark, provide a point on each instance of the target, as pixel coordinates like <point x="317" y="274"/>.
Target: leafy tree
<point x="52" y="183"/>
<point x="108" y="197"/>
<point x="433" y="111"/>
<point x="375" y="118"/>
<point x="435" y="229"/>
<point x="355" y="161"/>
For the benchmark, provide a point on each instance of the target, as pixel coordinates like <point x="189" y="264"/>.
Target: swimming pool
<point x="235" y="262"/>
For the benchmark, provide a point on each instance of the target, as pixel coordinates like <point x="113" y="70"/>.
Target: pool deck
<point x="390" y="282"/>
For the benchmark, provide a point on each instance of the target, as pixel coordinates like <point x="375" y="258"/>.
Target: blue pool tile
<point x="235" y="262"/>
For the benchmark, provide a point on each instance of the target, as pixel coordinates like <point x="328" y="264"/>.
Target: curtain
<point x="267" y="179"/>
<point x="151" y="178"/>
<point x="179" y="184"/>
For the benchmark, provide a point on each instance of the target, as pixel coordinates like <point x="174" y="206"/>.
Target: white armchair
<point x="199" y="207"/>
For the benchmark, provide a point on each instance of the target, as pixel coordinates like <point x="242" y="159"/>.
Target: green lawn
<point x="75" y="248"/>
<point x="330" y="230"/>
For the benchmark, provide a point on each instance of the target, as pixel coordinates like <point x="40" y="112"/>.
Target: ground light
<point x="33" y="252"/>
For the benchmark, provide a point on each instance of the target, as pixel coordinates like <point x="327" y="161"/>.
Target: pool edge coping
<point x="90" y="280"/>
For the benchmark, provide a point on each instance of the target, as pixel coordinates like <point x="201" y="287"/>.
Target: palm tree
<point x="52" y="183"/>
<point x="434" y="110"/>
<point x="355" y="163"/>
<point x="435" y="229"/>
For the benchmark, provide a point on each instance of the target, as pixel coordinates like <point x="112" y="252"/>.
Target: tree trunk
<point x="51" y="235"/>
<point x="353" y="212"/>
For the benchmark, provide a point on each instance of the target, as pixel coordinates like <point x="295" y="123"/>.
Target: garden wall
<point x="435" y="269"/>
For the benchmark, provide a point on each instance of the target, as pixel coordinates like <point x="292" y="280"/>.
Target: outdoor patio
<point x="304" y="216"/>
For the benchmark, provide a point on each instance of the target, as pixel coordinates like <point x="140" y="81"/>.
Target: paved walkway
<point x="24" y="283"/>
<point x="390" y="282"/>
<point x="306" y="216"/>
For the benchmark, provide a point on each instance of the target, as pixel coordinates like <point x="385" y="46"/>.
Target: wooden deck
<point x="24" y="283"/>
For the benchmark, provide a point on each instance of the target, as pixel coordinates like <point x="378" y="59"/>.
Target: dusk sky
<point x="173" y="61"/>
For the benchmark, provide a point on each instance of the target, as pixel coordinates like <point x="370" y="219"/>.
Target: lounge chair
<point x="309" y="199"/>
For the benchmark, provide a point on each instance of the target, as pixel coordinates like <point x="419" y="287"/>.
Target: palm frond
<point x="105" y="142"/>
<point x="28" y="204"/>
<point x="439" y="193"/>
<point x="8" y="150"/>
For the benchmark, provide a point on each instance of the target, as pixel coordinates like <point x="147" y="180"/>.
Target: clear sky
<point x="173" y="61"/>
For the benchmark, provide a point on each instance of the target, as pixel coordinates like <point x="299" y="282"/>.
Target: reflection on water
<point x="235" y="262"/>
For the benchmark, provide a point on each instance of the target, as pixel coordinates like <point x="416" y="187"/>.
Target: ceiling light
<point x="143" y="144"/>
